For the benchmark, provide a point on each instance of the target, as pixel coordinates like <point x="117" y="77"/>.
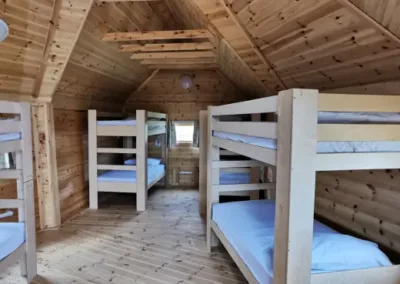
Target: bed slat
<point x="10" y="146"/>
<point x="358" y="132"/>
<point x="116" y="130"/>
<point x="11" y="174"/>
<point x="244" y="187"/>
<point x="386" y="275"/>
<point x="358" y="103"/>
<point x="357" y="161"/>
<point x="10" y="126"/>
<point x="263" y="105"/>
<point x="236" y="164"/>
<point x="10" y="107"/>
<point x="258" y="129"/>
<point x="257" y="153"/>
<point x="11" y="203"/>
<point x="117" y="167"/>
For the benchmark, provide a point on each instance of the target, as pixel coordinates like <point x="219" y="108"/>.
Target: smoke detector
<point x="3" y="30"/>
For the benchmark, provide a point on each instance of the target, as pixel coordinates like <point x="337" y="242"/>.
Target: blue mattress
<point x="234" y="178"/>
<point x="249" y="228"/>
<point x="12" y="235"/>
<point x="10" y="136"/>
<point x="130" y="176"/>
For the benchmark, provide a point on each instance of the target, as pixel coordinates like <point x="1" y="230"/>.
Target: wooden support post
<point x="255" y="171"/>
<point x="203" y="163"/>
<point x="46" y="166"/>
<point x="212" y="179"/>
<point x="295" y="194"/>
<point x="141" y="157"/>
<point x="92" y="143"/>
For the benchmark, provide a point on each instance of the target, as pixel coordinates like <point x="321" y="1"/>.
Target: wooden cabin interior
<point x="179" y="57"/>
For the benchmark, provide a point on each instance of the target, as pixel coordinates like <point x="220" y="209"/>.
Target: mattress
<point x="322" y="147"/>
<point x="234" y="178"/>
<point x="249" y="228"/>
<point x="128" y="122"/>
<point x="12" y="235"/>
<point x="10" y="136"/>
<point x="130" y="176"/>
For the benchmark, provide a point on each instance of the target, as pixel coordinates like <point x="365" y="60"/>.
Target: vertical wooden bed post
<point x="294" y="215"/>
<point x="141" y="157"/>
<point x="212" y="179"/>
<point x="164" y="151"/>
<point x="203" y="163"/>
<point x="255" y="171"/>
<point x="93" y="194"/>
<point x="24" y="161"/>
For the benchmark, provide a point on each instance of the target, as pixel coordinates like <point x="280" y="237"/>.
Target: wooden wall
<point x="97" y="74"/>
<point x="165" y="94"/>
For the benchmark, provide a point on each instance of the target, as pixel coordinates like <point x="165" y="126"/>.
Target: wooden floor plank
<point x="118" y="245"/>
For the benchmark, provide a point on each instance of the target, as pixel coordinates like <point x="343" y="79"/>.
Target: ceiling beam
<point x="178" y="66"/>
<point x="360" y="13"/>
<point x="158" y="35"/>
<point x="58" y="50"/>
<point x="250" y="40"/>
<point x="151" y="47"/>
<point x="180" y="61"/>
<point x="116" y="1"/>
<point x="174" y="55"/>
<point x="141" y="86"/>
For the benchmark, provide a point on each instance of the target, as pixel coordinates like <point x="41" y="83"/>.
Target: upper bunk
<point x="16" y="137"/>
<point x="349" y="131"/>
<point x="153" y="123"/>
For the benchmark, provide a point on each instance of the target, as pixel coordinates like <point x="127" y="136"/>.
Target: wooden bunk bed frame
<point x="239" y="166"/>
<point x="297" y="132"/>
<point x="23" y="174"/>
<point x="141" y="131"/>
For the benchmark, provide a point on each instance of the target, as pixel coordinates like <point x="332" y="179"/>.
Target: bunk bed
<point x="236" y="171"/>
<point x="135" y="175"/>
<point x="18" y="239"/>
<point x="312" y="132"/>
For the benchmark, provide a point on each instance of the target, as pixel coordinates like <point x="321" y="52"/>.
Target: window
<point x="184" y="131"/>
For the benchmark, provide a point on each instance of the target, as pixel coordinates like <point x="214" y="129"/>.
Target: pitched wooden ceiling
<point x="54" y="51"/>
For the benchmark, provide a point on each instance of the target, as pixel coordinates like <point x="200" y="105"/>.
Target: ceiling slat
<point x="158" y="35"/>
<point x="177" y="55"/>
<point x="151" y="47"/>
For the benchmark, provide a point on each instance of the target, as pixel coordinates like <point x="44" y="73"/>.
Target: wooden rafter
<point x="181" y="61"/>
<point x="360" y="13"/>
<point x="250" y="40"/>
<point x="58" y="51"/>
<point x="158" y="35"/>
<point x="179" y="66"/>
<point x="46" y="52"/>
<point x="176" y="55"/>
<point x="151" y="47"/>
<point x="141" y="86"/>
<point x="116" y="1"/>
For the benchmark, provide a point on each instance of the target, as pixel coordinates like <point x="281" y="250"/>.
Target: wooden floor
<point x="165" y="244"/>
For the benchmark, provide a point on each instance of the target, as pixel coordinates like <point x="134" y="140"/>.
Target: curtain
<point x="171" y="135"/>
<point x="196" y="134"/>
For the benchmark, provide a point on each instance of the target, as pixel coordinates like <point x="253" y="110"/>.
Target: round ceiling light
<point x="186" y="81"/>
<point x="3" y="30"/>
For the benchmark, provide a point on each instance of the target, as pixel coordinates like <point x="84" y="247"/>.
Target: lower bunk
<point x="125" y="181"/>
<point x="246" y="229"/>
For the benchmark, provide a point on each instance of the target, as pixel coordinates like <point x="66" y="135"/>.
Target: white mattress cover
<point x="117" y="122"/>
<point x="130" y="176"/>
<point x="12" y="235"/>
<point x="234" y="178"/>
<point x="322" y="147"/>
<point x="249" y="226"/>
<point x="10" y="136"/>
<point x="358" y="117"/>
